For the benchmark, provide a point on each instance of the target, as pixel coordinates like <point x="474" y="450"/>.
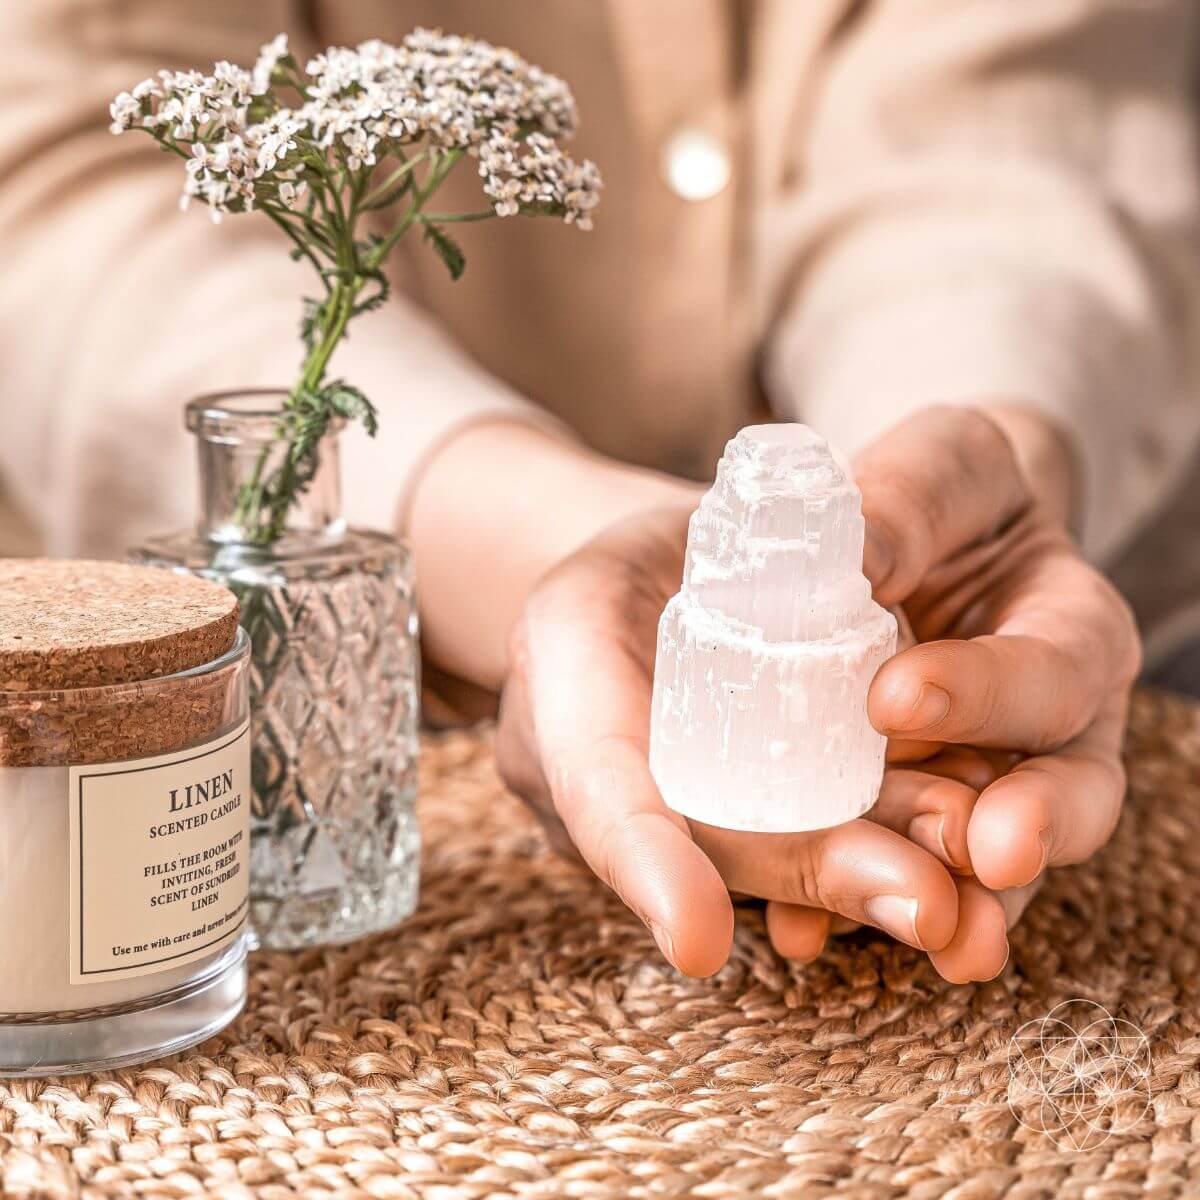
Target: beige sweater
<point x="929" y="200"/>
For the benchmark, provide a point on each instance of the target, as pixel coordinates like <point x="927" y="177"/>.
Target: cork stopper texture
<point x="66" y="627"/>
<point x="89" y="624"/>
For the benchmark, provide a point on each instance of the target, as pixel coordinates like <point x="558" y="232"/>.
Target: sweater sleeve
<point x="998" y="201"/>
<point x="116" y="308"/>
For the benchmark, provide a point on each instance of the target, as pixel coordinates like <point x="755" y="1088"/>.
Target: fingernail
<point x="897" y="915"/>
<point x="878" y="559"/>
<point x="931" y="706"/>
<point x="1007" y="956"/>
<point x="663" y="940"/>
<point x="928" y="830"/>
<point x="1047" y="840"/>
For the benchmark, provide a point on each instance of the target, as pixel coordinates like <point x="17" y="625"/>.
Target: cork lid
<point x="83" y="624"/>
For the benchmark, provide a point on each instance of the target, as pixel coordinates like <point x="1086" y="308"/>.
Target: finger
<point x="927" y="809"/>
<point x="797" y="932"/>
<point x="519" y="767"/>
<point x="801" y="928"/>
<point x="901" y="751"/>
<point x="596" y="766"/>
<point x="979" y="949"/>
<point x="1054" y="809"/>
<point x="939" y="481"/>
<point x="1063" y="639"/>
<point x="1016" y="900"/>
<point x="859" y="870"/>
<point x="977" y="768"/>
<point x="1012" y="692"/>
<point x="616" y="818"/>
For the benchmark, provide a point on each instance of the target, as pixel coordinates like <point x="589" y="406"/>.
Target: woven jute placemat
<point x="520" y="1036"/>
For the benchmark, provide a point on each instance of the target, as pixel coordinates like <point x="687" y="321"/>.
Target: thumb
<point x="941" y="480"/>
<point x="589" y="688"/>
<point x="617" y="819"/>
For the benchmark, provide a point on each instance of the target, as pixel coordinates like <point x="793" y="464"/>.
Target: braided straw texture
<point x="520" y="1036"/>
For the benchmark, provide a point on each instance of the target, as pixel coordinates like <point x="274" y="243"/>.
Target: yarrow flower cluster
<point x="358" y="107"/>
<point x="360" y="132"/>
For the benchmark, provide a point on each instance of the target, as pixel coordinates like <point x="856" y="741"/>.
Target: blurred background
<point x="678" y="100"/>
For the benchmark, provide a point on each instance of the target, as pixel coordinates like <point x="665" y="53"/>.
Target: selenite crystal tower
<point x="766" y="653"/>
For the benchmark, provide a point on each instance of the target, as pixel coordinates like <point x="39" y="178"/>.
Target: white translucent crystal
<point x="766" y="654"/>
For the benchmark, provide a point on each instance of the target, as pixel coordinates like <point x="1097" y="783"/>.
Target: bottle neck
<point x="236" y="448"/>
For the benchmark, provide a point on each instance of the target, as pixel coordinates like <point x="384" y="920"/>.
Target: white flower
<point x="360" y="148"/>
<point x="125" y="109"/>
<point x="291" y="195"/>
<point x="268" y="60"/>
<point x="415" y="109"/>
<point x="231" y="86"/>
<point x="364" y="105"/>
<point x="273" y="139"/>
<point x="183" y="111"/>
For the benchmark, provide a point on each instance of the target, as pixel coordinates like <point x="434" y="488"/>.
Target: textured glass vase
<point x="334" y="688"/>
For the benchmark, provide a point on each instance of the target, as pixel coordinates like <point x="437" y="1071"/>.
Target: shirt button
<point x="695" y="164"/>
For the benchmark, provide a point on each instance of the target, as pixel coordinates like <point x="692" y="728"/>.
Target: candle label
<point x="160" y="851"/>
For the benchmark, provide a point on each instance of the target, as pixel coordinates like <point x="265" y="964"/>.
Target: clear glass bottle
<point x="334" y="688"/>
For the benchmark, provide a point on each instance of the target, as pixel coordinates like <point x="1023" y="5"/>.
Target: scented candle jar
<point x="124" y="814"/>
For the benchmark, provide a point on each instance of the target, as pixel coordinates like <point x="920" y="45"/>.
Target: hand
<point x="1042" y="661"/>
<point x="1025" y="648"/>
<point x="572" y="740"/>
<point x="1012" y="706"/>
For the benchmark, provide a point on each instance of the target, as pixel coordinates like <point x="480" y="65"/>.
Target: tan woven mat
<point x="521" y="1037"/>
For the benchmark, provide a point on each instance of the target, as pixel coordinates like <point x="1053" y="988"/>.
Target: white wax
<point x="35" y="898"/>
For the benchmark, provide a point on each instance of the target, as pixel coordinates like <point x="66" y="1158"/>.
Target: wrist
<point x="1044" y="453"/>
<point x="498" y="506"/>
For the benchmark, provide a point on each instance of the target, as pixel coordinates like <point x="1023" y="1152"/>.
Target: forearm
<point x="503" y="501"/>
<point x="495" y="509"/>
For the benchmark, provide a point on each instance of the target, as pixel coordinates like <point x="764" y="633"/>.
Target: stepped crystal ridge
<point x="766" y="653"/>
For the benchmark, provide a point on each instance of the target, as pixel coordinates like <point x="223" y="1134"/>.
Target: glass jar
<point x="124" y="823"/>
<point x="334" y="686"/>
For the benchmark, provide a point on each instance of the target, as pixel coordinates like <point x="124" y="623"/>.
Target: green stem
<point x="314" y="366"/>
<point x="302" y="246"/>
<point x="263" y="505"/>
<point x="439" y="218"/>
<point x="265" y="523"/>
<point x="441" y="168"/>
<point x="390" y="182"/>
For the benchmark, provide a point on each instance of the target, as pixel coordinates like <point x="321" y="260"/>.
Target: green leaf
<point x="308" y="322"/>
<point x="448" y="250"/>
<point x="389" y="198"/>
<point x="376" y="299"/>
<point x="344" y="400"/>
